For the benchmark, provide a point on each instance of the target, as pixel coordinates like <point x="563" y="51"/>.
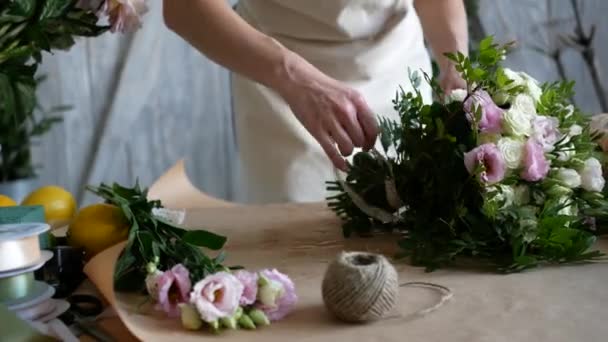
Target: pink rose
<point x="487" y="155"/>
<point x="125" y="15"/>
<point x="217" y="296"/>
<point x="276" y="294"/>
<point x="173" y="288"/>
<point x="536" y="166"/>
<point x="545" y="130"/>
<point x="491" y="114"/>
<point x="250" y="286"/>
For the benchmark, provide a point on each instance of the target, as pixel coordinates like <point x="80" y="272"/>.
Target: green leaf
<point x="204" y="238"/>
<point x="54" y="9"/>
<point x="21" y="9"/>
<point x="8" y="103"/>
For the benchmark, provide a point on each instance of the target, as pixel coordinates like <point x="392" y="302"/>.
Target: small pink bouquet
<point x="168" y="263"/>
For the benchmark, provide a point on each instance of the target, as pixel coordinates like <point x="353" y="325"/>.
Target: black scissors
<point x="84" y="310"/>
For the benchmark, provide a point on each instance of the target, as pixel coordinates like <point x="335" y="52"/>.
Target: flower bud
<point x="246" y="322"/>
<point x="238" y="313"/>
<point x="228" y="322"/>
<point x="156" y="259"/>
<point x="190" y="317"/>
<point x="151" y="267"/>
<point x="259" y="318"/>
<point x="269" y="292"/>
<point x="215" y="326"/>
<point x="559" y="191"/>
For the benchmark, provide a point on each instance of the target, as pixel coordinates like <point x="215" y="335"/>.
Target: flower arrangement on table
<point x="505" y="171"/>
<point x="167" y="262"/>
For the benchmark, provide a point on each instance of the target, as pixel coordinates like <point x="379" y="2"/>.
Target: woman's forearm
<point x="445" y="27"/>
<point x="213" y="28"/>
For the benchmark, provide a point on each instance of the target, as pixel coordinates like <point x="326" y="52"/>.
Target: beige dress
<point x="368" y="44"/>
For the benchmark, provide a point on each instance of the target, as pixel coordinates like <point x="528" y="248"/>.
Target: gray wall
<point x="143" y="101"/>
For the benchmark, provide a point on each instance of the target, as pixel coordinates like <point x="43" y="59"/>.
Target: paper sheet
<point x="568" y="303"/>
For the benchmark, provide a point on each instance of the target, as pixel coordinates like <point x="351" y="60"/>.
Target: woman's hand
<point x="450" y="79"/>
<point x="333" y="113"/>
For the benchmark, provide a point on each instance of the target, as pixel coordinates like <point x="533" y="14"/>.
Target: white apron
<point x="368" y="44"/>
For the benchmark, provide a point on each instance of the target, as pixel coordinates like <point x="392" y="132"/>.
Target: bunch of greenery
<point x="27" y="29"/>
<point x="156" y="240"/>
<point x="440" y="212"/>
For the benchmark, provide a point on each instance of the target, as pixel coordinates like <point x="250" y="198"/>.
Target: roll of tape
<point x="17" y="286"/>
<point x="19" y="245"/>
<point x="19" y="253"/>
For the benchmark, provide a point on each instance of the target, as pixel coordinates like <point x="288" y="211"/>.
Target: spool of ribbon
<point x="19" y="253"/>
<point x="19" y="245"/>
<point x="16" y="286"/>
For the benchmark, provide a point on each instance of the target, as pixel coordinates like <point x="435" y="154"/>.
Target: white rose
<point x="592" y="178"/>
<point x="512" y="151"/>
<point x="569" y="177"/>
<point x="575" y="130"/>
<point x="513" y="76"/>
<point x="517" y="122"/>
<point x="524" y="103"/>
<point x="521" y="195"/>
<point x="532" y="87"/>
<point x="457" y="95"/>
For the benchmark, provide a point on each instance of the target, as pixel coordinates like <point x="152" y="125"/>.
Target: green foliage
<point x="448" y="213"/>
<point x="28" y="28"/>
<point x="151" y="238"/>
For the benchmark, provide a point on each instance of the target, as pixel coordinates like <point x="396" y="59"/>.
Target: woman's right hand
<point x="332" y="112"/>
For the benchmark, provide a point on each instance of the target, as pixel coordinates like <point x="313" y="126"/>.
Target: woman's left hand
<point x="449" y="79"/>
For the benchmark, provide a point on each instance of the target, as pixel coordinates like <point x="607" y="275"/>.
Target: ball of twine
<point x="360" y="287"/>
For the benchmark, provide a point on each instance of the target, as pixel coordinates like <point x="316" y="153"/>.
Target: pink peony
<point x="488" y="155"/>
<point x="491" y="114"/>
<point x="545" y="130"/>
<point x="276" y="294"/>
<point x="217" y="296"/>
<point x="125" y="15"/>
<point x="250" y="286"/>
<point x="173" y="288"/>
<point x="536" y="166"/>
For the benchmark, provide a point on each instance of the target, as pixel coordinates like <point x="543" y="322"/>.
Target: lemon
<point x="97" y="227"/>
<point x="6" y="201"/>
<point x="58" y="203"/>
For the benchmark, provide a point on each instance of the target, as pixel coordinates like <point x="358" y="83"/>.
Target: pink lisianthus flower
<point x="535" y="165"/>
<point x="217" y="296"/>
<point x="487" y="155"/>
<point x="276" y="294"/>
<point x="491" y="114"/>
<point x="173" y="288"/>
<point x="250" y="286"/>
<point x="546" y="131"/>
<point x="125" y="15"/>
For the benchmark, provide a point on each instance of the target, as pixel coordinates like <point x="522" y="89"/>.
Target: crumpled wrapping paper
<point x="568" y="303"/>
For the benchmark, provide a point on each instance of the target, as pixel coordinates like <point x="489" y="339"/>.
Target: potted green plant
<point x="28" y="28"/>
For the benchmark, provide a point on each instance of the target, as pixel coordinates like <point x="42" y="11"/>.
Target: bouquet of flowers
<point x="504" y="171"/>
<point x="167" y="262"/>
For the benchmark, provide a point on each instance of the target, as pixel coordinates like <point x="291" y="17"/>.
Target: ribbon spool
<point x="16" y="286"/>
<point x="20" y="246"/>
<point x="361" y="287"/>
